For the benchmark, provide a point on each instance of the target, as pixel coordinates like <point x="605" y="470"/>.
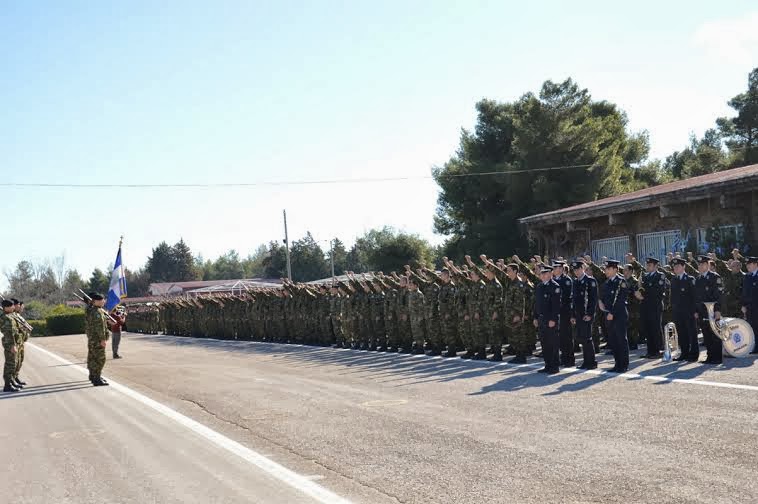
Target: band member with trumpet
<point x="750" y="296"/>
<point x="650" y="294"/>
<point x="684" y="311"/>
<point x="585" y="306"/>
<point x="708" y="288"/>
<point x="614" y="304"/>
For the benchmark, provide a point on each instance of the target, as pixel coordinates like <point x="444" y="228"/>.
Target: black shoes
<point x="479" y="356"/>
<point x="20" y="381"/>
<point x="117" y="356"/>
<point x="519" y="359"/>
<point x="9" y="388"/>
<point x="587" y="366"/>
<point x="616" y="369"/>
<point x="468" y="355"/>
<point x="497" y="357"/>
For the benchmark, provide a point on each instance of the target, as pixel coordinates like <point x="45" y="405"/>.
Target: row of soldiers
<point x="15" y="332"/>
<point x="471" y="307"/>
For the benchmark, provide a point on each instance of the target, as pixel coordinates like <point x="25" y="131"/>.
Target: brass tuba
<point x="737" y="334"/>
<point x="670" y="341"/>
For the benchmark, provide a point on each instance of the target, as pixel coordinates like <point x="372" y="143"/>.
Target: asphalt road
<point x="373" y="428"/>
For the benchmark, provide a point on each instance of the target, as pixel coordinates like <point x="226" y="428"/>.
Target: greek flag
<point x="117" y="290"/>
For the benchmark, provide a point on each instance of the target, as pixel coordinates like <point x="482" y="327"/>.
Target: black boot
<point x="9" y="387"/>
<point x="16" y="383"/>
<point x="480" y="355"/>
<point x="519" y="359"/>
<point x="496" y="357"/>
<point x="20" y="381"/>
<point x="450" y="352"/>
<point x="468" y="355"/>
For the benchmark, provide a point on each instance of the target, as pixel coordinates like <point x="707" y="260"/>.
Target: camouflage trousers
<point x="449" y="330"/>
<point x="95" y="358"/>
<point x="520" y="340"/>
<point x="337" y="330"/>
<point x="479" y="334"/>
<point x="9" y="369"/>
<point x="19" y="359"/>
<point x="405" y="334"/>
<point x="418" y="330"/>
<point x="433" y="331"/>
<point x="464" y="333"/>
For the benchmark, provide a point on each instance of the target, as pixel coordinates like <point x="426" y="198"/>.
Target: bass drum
<point x="738" y="337"/>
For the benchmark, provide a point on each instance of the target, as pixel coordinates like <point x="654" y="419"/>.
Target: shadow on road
<point x="54" y="388"/>
<point x="404" y="370"/>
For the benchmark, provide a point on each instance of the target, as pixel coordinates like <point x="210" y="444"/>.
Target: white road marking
<point x="294" y="480"/>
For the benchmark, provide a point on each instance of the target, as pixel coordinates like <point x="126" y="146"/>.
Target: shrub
<point x="71" y="323"/>
<point x="40" y="328"/>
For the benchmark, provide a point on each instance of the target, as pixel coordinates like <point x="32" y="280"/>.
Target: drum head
<point x="741" y="339"/>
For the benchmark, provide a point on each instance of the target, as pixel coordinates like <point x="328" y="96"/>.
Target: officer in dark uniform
<point x="684" y="310"/>
<point x="585" y="305"/>
<point x="651" y="293"/>
<point x="547" y="318"/>
<point x="750" y="296"/>
<point x="565" y="332"/>
<point x="614" y="304"/>
<point x="708" y="289"/>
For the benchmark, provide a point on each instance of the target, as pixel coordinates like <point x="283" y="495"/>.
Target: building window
<point x="658" y="244"/>
<point x="612" y="248"/>
<point x="720" y="239"/>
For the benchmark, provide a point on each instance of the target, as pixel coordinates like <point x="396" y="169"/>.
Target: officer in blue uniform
<point x="614" y="305"/>
<point x="547" y="318"/>
<point x="684" y="310"/>
<point x="708" y="289"/>
<point x="565" y="332"/>
<point x="585" y="304"/>
<point x="651" y="294"/>
<point x="750" y="296"/>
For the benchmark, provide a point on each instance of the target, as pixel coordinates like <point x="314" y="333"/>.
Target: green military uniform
<point x="448" y="316"/>
<point x="25" y="333"/>
<point x="493" y="307"/>
<point x="11" y="340"/>
<point x="416" y="314"/>
<point x="517" y="305"/>
<point x="97" y="333"/>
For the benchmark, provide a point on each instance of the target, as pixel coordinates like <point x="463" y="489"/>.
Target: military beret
<point x="678" y="261"/>
<point x="7" y="303"/>
<point x="652" y="260"/>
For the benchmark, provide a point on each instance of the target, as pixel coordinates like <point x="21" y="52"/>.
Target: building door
<point x="612" y="248"/>
<point x="657" y="244"/>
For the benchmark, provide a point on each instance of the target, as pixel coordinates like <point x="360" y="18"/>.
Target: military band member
<point x="708" y="289"/>
<point x="614" y="304"/>
<point x="750" y="296"/>
<point x="651" y="295"/>
<point x="547" y="318"/>
<point x="585" y="305"/>
<point x="684" y="310"/>
<point x="566" y="331"/>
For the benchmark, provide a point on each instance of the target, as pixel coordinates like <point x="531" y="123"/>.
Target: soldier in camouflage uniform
<point x="96" y="328"/>
<point x="517" y="307"/>
<point x="492" y="313"/>
<point x="416" y="313"/>
<point x="11" y="341"/>
<point x="18" y="307"/>
<point x="448" y="313"/>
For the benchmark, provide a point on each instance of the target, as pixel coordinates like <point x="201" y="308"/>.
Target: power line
<point x="285" y="183"/>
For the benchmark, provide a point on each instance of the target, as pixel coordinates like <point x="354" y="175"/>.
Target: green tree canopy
<point x="307" y="260"/>
<point x="741" y="132"/>
<point x="561" y="127"/>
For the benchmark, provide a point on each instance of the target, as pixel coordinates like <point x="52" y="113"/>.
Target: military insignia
<point x="568" y="282"/>
<point x="718" y="280"/>
<point x="623" y="285"/>
<point x="660" y="283"/>
<point x="558" y="290"/>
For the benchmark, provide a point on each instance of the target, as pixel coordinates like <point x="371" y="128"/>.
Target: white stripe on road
<point x="294" y="480"/>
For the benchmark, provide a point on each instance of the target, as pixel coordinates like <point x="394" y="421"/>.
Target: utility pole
<point x="287" y="247"/>
<point x="331" y="256"/>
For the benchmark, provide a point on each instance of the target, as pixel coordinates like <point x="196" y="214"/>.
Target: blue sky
<point x="192" y="92"/>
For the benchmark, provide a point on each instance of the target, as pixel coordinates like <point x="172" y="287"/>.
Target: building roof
<point x="673" y="192"/>
<point x="163" y="288"/>
<point x="237" y="285"/>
